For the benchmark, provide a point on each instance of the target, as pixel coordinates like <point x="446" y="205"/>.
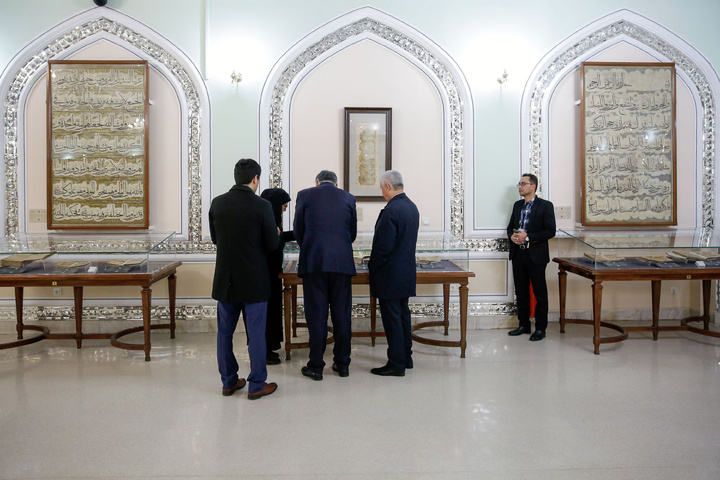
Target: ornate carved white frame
<point x="107" y="24"/>
<point x="623" y="26"/>
<point x="368" y="23"/>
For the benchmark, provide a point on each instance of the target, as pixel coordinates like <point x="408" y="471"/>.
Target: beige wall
<point x="368" y="75"/>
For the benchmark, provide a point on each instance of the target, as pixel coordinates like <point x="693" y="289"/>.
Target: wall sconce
<point x="235" y="77"/>
<point x="503" y="80"/>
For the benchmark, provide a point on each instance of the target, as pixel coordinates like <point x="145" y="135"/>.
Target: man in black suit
<point x="243" y="228"/>
<point x="532" y="224"/>
<point x="392" y="271"/>
<point x="325" y="227"/>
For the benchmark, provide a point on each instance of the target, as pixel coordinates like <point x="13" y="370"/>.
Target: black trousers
<point x="275" y="316"/>
<point x="526" y="273"/>
<point x="320" y="291"/>
<point x="397" y="325"/>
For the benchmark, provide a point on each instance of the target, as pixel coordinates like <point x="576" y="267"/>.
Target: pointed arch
<point x="355" y="26"/>
<point x="79" y="31"/>
<point x="653" y="39"/>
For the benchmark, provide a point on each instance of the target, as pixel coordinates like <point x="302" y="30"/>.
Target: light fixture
<point x="503" y="80"/>
<point x="100" y="3"/>
<point x="235" y="77"/>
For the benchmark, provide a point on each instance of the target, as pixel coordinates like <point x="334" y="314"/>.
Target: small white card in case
<point x="700" y="263"/>
<point x="92" y="269"/>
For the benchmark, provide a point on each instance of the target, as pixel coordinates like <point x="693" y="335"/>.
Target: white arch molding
<point x="29" y="66"/>
<point x="368" y="23"/>
<point x="624" y="26"/>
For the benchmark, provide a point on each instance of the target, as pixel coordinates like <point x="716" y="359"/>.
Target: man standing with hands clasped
<point x="532" y="224"/>
<point x="392" y="271"/>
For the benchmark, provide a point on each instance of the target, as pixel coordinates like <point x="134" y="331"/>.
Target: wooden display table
<point x="634" y="270"/>
<point x="447" y="274"/>
<point x="105" y="276"/>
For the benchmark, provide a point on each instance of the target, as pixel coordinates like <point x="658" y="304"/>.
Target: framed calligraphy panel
<point x="97" y="145"/>
<point x="629" y="168"/>
<point x="368" y="148"/>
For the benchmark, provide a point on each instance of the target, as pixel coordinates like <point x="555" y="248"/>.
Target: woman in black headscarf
<point x="279" y="199"/>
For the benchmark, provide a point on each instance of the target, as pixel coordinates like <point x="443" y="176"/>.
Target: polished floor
<point x="512" y="409"/>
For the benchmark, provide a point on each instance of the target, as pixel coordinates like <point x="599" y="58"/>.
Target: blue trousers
<point x="396" y="322"/>
<point x="227" y="317"/>
<point x="320" y="291"/>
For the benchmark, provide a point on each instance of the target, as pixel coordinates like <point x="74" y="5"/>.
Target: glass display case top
<point x="644" y="239"/>
<point x="672" y="248"/>
<point x="83" y="243"/>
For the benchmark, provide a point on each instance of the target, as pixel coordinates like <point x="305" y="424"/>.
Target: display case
<point x="440" y="260"/>
<point x="434" y="251"/>
<point x="84" y="253"/>
<point x="640" y="249"/>
<point x="81" y="260"/>
<point x="650" y="256"/>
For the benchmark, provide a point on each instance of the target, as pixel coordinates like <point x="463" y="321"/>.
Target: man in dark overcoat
<point x="243" y="227"/>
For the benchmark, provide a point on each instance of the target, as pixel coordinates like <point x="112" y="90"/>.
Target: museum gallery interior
<point x="124" y="119"/>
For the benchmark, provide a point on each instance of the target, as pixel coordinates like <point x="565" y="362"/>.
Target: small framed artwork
<point x="97" y="144"/>
<point x="368" y="147"/>
<point x="628" y="143"/>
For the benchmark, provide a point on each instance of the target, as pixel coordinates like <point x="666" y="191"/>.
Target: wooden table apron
<point x="78" y="281"/>
<point x="424" y="277"/>
<point x="655" y="276"/>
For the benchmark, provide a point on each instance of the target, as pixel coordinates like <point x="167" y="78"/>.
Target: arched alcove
<point x="73" y="36"/>
<point x="330" y="39"/>
<point x="659" y="44"/>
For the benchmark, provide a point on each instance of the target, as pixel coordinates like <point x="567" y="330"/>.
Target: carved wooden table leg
<point x="172" y="288"/>
<point x="706" y="304"/>
<point x="19" y="311"/>
<point x="373" y="319"/>
<point x="463" y="319"/>
<point x="655" y="286"/>
<point x="562" y="282"/>
<point x="446" y="307"/>
<point x="597" y="313"/>
<point x="287" y="310"/>
<point x="146" y="299"/>
<point x="78" y="294"/>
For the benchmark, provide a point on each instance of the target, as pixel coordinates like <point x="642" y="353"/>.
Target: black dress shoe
<point x="270" y="360"/>
<point x="317" y="376"/>
<point x="537" y="335"/>
<point x="343" y="372"/>
<point x="408" y="364"/>
<point x="387" y="371"/>
<point x="519" y="331"/>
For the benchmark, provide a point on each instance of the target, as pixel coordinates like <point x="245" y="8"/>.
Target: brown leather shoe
<point x="268" y="389"/>
<point x="238" y="386"/>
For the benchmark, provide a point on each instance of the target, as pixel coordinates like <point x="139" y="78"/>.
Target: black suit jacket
<point x="243" y="227"/>
<point x="540" y="229"/>
<point x="325" y="227"/>
<point x="392" y="259"/>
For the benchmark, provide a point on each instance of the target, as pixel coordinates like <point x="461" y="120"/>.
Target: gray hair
<point x="393" y="178"/>
<point x="326" y="176"/>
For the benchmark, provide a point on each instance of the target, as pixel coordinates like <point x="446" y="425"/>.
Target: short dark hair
<point x="326" y="176"/>
<point x="533" y="179"/>
<point x="245" y="170"/>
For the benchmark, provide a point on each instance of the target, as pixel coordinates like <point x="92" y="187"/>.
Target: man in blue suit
<point x="325" y="227"/>
<point x="392" y="271"/>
